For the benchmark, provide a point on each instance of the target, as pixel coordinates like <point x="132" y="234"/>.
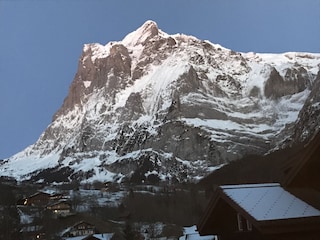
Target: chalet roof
<point x="59" y="203"/>
<point x="39" y="193"/>
<point x="62" y="205"/>
<point x="100" y="236"/>
<point x="269" y="202"/>
<point x="309" y="153"/>
<point x="31" y="228"/>
<point x="84" y="223"/>
<point x="268" y="207"/>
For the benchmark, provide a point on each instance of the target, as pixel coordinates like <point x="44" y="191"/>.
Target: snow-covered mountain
<point x="158" y="106"/>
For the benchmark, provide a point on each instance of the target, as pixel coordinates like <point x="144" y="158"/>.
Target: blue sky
<point x="41" y="41"/>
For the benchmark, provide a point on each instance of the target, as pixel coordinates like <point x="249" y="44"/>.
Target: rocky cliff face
<point x="171" y="107"/>
<point x="307" y="124"/>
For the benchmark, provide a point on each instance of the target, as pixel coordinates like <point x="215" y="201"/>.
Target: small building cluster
<point x="57" y="203"/>
<point x="46" y="206"/>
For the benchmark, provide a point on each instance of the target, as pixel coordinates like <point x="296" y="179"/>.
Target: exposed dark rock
<point x="189" y="81"/>
<point x="255" y="92"/>
<point x="174" y="110"/>
<point x="294" y="81"/>
<point x="111" y="72"/>
<point x="308" y="121"/>
<point x="230" y="83"/>
<point x="133" y="107"/>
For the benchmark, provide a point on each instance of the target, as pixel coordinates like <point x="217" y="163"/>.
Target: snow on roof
<point x="101" y="236"/>
<point x="191" y="233"/>
<point x="269" y="202"/>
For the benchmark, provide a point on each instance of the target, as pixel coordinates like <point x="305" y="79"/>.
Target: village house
<point x="31" y="232"/>
<point x="110" y="187"/>
<point x="270" y="211"/>
<point x="259" y="211"/>
<point x="62" y="208"/>
<point x="37" y="199"/>
<point x="80" y="229"/>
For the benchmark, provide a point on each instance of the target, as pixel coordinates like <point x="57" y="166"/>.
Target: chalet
<point x="110" y="187"/>
<point x="32" y="232"/>
<point x="62" y="208"/>
<point x="259" y="211"/>
<point x="38" y="199"/>
<point x="81" y="229"/>
<point x="270" y="211"/>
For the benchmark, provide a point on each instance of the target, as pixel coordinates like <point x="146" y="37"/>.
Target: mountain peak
<point x="148" y="30"/>
<point x="171" y="107"/>
<point x="149" y="24"/>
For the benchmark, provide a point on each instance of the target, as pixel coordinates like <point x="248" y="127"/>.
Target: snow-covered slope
<point x="158" y="106"/>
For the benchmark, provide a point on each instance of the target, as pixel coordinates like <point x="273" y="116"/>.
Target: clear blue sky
<point x="41" y="41"/>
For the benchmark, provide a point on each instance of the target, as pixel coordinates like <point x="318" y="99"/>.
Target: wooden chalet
<point x="259" y="211"/>
<point x="270" y="211"/>
<point x="31" y="232"/>
<point x="81" y="229"/>
<point x="62" y="208"/>
<point x="38" y="199"/>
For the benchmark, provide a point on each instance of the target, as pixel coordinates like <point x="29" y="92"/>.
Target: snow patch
<point x="191" y="233"/>
<point x="86" y="84"/>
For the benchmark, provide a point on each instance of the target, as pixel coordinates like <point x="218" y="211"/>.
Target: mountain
<point x="171" y="107"/>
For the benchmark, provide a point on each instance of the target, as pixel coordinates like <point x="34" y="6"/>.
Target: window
<point x="240" y="222"/>
<point x="249" y="226"/>
<point x="243" y="224"/>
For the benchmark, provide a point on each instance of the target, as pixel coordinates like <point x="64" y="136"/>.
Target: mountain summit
<point x="170" y="107"/>
<point x="148" y="30"/>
